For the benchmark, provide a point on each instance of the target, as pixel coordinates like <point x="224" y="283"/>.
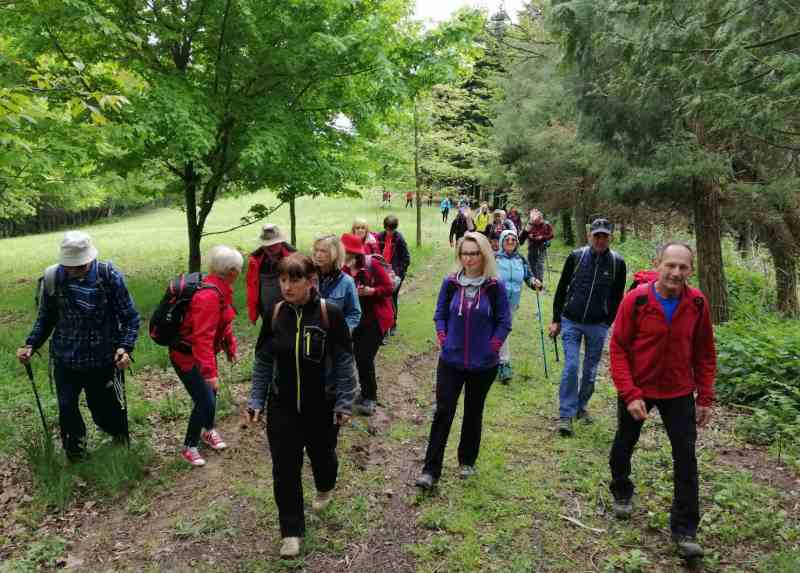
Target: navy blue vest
<point x="589" y="291"/>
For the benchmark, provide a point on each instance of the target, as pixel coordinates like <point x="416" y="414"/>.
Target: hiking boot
<point x="322" y="500"/>
<point x="584" y="417"/>
<point x="75" y="456"/>
<point x="365" y="408"/>
<point x="192" y="456"/>
<point x="213" y="439"/>
<point x="425" y="481"/>
<point x="290" y="547"/>
<point x="688" y="548"/>
<point x="465" y="472"/>
<point x="505" y="373"/>
<point x="623" y="508"/>
<point x="565" y="426"/>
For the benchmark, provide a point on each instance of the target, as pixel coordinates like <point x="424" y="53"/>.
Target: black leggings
<point x="366" y="341"/>
<point x="449" y="382"/>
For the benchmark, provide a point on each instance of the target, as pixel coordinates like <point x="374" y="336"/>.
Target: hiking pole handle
<point x="29" y="371"/>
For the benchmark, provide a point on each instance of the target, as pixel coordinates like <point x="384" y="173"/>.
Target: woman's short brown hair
<point x="297" y="266"/>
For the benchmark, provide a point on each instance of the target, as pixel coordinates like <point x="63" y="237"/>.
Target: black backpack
<point x="168" y="316"/>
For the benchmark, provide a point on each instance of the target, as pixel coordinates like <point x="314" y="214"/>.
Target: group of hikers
<point x="324" y="317"/>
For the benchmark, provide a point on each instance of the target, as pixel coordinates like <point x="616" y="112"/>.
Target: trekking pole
<point x="119" y="389"/>
<point x="541" y="333"/>
<point x="29" y="370"/>
<point x="555" y="345"/>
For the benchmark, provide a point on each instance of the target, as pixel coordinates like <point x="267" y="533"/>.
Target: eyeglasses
<point x="470" y="253"/>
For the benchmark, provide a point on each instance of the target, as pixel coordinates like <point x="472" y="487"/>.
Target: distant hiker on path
<point x="538" y="233"/>
<point x="483" y="217"/>
<point x="514" y="217"/>
<point x="460" y="225"/>
<point x="360" y="228"/>
<point x="374" y="289"/>
<point x="513" y="272"/>
<point x="496" y="226"/>
<point x="445" y="207"/>
<point x="394" y="249"/>
<point x="309" y="362"/>
<point x="662" y="354"/>
<point x="205" y="331"/>
<point x="335" y="286"/>
<point x="590" y="289"/>
<point x="472" y="320"/>
<point x="263" y="293"/>
<point x="409" y="199"/>
<point x="86" y="306"/>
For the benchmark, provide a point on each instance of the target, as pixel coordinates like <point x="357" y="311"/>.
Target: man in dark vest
<point x="590" y="289"/>
<point x="86" y="306"/>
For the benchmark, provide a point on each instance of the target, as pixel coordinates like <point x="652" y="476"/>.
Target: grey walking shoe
<point x="425" y="481"/>
<point x="623" y="508"/>
<point x="565" y="426"/>
<point x="365" y="408"/>
<point x="688" y="548"/>
<point x="585" y="417"/>
<point x="465" y="472"/>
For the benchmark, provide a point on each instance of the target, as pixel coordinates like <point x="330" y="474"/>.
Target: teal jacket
<point x="512" y="270"/>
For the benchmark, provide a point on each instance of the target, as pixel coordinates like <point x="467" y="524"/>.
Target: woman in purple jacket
<point x="472" y="321"/>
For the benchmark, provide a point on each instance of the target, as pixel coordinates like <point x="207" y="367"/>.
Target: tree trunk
<point x="785" y="279"/>
<point x="193" y="226"/>
<point x="623" y="232"/>
<point x="292" y="221"/>
<point x="744" y="240"/>
<point x="566" y="227"/>
<point x="417" y="178"/>
<point x="707" y="224"/>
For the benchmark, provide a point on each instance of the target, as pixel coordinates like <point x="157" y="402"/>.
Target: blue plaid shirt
<point x="89" y="318"/>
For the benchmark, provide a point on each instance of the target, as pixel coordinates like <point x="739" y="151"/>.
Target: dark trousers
<point x="288" y="433"/>
<point x="449" y="381"/>
<point x="536" y="260"/>
<point x="204" y="398"/>
<point x="445" y="213"/>
<point x="106" y="410"/>
<point x="366" y="341"/>
<point x="678" y="416"/>
<point x="395" y="295"/>
<point x="409" y="203"/>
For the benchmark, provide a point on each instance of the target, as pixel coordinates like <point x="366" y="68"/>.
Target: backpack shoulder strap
<point x="276" y="309"/>
<point x="323" y="314"/>
<point x="50" y="275"/>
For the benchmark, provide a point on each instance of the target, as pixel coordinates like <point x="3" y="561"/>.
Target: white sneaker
<point x="322" y="500"/>
<point x="290" y="547"/>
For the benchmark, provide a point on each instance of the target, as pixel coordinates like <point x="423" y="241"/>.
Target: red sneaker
<point x="192" y="456"/>
<point x="214" y="440"/>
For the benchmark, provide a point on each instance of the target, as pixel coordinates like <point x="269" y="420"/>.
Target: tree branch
<point x="221" y="42"/>
<point x="247" y="221"/>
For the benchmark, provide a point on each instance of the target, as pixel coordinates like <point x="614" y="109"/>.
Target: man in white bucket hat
<point x="263" y="293"/>
<point x="85" y="305"/>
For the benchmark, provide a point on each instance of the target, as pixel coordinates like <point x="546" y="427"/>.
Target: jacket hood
<point x="503" y="236"/>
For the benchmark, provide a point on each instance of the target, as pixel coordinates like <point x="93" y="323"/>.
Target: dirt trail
<point x="222" y="517"/>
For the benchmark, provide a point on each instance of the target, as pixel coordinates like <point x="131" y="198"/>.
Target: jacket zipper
<point x="297" y="350"/>
<point x="591" y="289"/>
<point x="466" y="331"/>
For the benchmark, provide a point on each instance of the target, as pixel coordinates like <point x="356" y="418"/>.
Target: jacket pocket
<point x="314" y="343"/>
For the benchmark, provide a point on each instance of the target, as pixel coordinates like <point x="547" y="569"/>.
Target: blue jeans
<point x="204" y="399"/>
<point x="574" y="397"/>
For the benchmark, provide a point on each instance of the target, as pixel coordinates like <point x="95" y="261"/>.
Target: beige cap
<point x="76" y="249"/>
<point x="271" y="235"/>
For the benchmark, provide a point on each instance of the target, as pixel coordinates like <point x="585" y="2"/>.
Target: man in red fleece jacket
<point x="662" y="354"/>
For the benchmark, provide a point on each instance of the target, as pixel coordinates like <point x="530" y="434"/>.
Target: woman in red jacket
<point x="206" y="329"/>
<point x="377" y="316"/>
<point x="361" y="230"/>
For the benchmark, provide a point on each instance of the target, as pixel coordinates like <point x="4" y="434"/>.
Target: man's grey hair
<point x="222" y="260"/>
<point x="662" y="248"/>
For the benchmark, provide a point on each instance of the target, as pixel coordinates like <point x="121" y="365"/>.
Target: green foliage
<point x="759" y="367"/>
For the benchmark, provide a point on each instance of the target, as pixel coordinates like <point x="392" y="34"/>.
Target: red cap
<point x="352" y="244"/>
